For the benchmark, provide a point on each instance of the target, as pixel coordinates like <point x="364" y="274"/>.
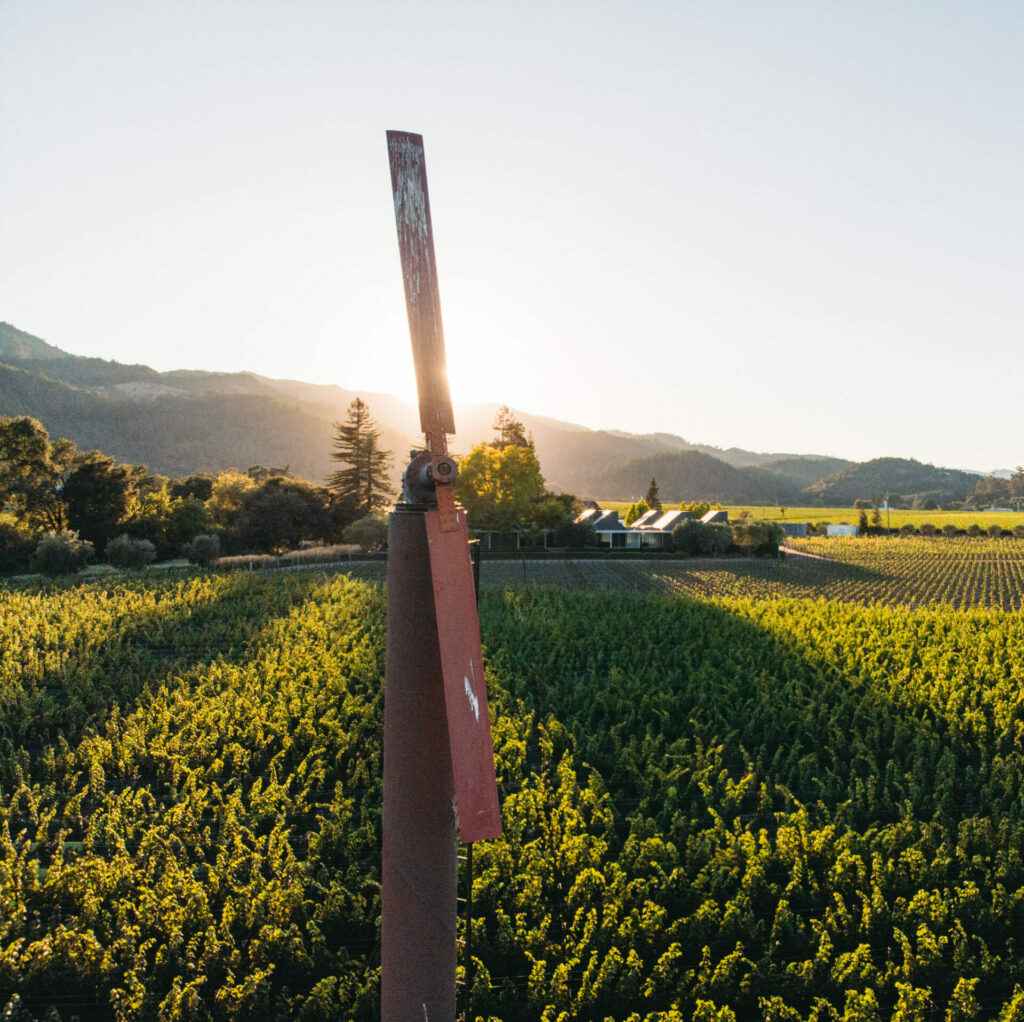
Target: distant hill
<point x="895" y="476"/>
<point x="808" y="469"/>
<point x="693" y="475"/>
<point x="15" y="343"/>
<point x="191" y="420"/>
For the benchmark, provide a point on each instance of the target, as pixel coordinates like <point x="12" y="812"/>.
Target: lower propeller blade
<point x="465" y="694"/>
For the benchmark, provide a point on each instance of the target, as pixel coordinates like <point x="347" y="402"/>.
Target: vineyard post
<point x="418" y="868"/>
<point x="439" y="774"/>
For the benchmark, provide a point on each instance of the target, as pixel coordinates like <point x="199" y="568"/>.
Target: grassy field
<point x="714" y="809"/>
<point x="850" y="516"/>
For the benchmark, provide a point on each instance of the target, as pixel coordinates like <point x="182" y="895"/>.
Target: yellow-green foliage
<point x="850" y="516"/>
<point x="714" y="809"/>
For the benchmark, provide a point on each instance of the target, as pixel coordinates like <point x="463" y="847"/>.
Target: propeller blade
<point x="419" y="272"/>
<point x="451" y="570"/>
<point x="465" y="693"/>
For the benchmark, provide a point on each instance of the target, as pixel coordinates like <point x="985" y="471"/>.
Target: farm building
<point x="669" y="520"/>
<point x="612" y="533"/>
<point x="715" y="517"/>
<point x="842" y="530"/>
<point x="794" y="528"/>
<point x="647" y="519"/>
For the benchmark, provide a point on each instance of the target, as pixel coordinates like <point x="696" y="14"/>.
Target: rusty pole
<point x="418" y="869"/>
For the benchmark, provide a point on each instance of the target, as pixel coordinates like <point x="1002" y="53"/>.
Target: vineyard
<point x="715" y="808"/>
<point x="959" y="572"/>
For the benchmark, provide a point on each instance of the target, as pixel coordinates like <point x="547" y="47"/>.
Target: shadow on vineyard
<point x="713" y="809"/>
<point x="64" y="679"/>
<point x="786" y="810"/>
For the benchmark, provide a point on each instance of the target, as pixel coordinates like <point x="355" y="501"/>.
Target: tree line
<point x="60" y="507"/>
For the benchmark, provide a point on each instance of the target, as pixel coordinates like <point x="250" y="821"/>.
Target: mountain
<point x="186" y="421"/>
<point x="808" y="469"/>
<point x="694" y="475"/>
<point x="894" y="476"/>
<point x="15" y="343"/>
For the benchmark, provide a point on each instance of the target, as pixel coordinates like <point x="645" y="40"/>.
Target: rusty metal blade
<point x="419" y="272"/>
<point x="465" y="694"/>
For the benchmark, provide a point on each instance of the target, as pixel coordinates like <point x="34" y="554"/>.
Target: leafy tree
<point x="16" y="546"/>
<point x="229" y="492"/>
<point x="554" y="510"/>
<point x="144" y="482"/>
<point x="757" y="539"/>
<point x="500" y="486"/>
<point x="370" y="532"/>
<point x="32" y="472"/>
<point x="97" y="495"/>
<point x="198" y="486"/>
<point x="635" y="510"/>
<point x="147" y="519"/>
<point x="862" y="521"/>
<point x="653" y="500"/>
<point x="187" y="518"/>
<point x="1017" y="482"/>
<point x="697" y="508"/>
<point x="695" y="539"/>
<point x="364" y="478"/>
<point x="281" y="514"/>
<point x="261" y="473"/>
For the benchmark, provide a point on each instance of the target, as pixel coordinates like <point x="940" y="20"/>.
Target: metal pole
<point x="418" y="867"/>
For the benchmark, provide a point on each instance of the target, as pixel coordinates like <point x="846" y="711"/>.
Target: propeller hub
<point x="424" y="474"/>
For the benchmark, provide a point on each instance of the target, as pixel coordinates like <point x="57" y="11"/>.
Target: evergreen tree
<point x="363" y="480"/>
<point x="652" y="500"/>
<point x="511" y="431"/>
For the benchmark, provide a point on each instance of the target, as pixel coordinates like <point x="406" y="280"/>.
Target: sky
<point x="786" y="227"/>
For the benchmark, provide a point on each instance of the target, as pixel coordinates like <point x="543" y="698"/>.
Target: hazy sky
<point x="786" y="227"/>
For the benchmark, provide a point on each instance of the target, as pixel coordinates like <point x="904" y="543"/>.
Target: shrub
<point x="974" y="530"/>
<point x="1019" y="531"/>
<point x="758" y="539"/>
<point x="908" y="530"/>
<point x="718" y="539"/>
<point x="575" y="536"/>
<point x="927" y="529"/>
<point x="62" y="553"/>
<point x="369" y="532"/>
<point x="203" y="550"/>
<point x="15" y="548"/>
<point x="995" y="531"/>
<point x="696" y="539"/>
<point x="131" y="554"/>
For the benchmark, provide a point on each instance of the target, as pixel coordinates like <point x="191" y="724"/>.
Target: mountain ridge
<point x="189" y="420"/>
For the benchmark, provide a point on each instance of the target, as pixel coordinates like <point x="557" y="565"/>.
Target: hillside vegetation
<point x="183" y="421"/>
<point x="692" y="474"/>
<point x="896" y="476"/>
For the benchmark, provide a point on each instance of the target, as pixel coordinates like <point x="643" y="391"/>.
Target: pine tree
<point x="363" y="480"/>
<point x="511" y="431"/>
<point x="652" y="499"/>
